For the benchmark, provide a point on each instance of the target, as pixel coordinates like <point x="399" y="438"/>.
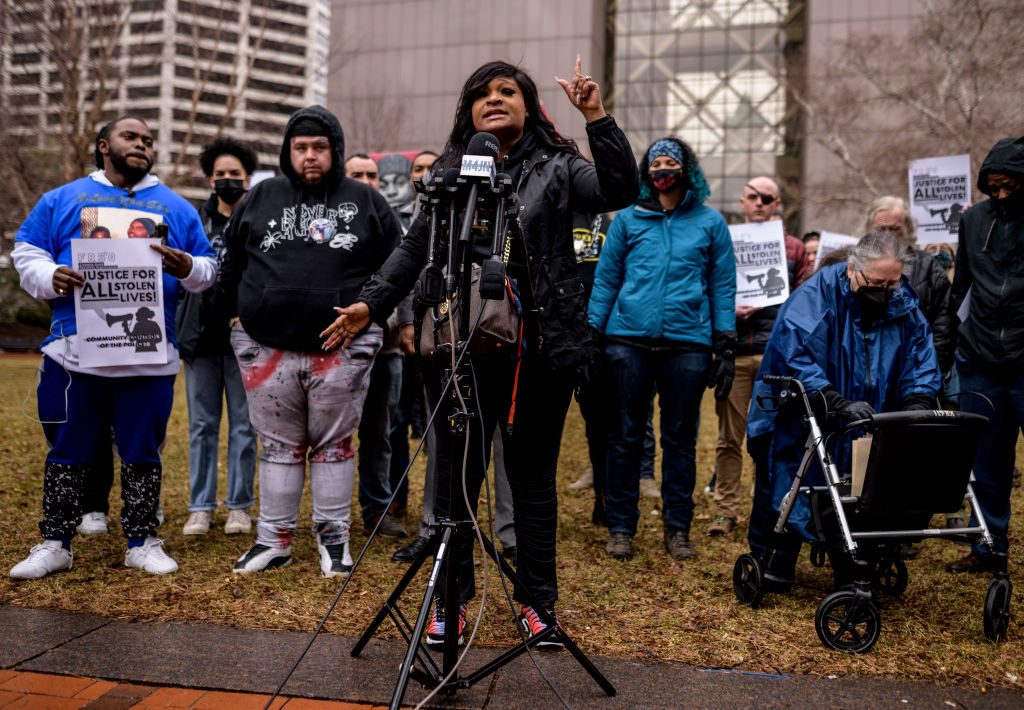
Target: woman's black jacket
<point x="552" y="186"/>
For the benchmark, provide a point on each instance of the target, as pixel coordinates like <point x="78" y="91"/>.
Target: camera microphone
<point x="477" y="165"/>
<point x="478" y="161"/>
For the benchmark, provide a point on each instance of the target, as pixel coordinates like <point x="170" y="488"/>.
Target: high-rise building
<point x="191" y="68"/>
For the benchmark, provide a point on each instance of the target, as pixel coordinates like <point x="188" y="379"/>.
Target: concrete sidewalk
<point x="209" y="666"/>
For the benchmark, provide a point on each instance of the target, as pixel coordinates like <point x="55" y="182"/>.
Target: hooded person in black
<point x="212" y="378"/>
<point x="988" y="296"/>
<point x="299" y="247"/>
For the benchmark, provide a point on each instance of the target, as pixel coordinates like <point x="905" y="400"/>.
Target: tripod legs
<point x="446" y="540"/>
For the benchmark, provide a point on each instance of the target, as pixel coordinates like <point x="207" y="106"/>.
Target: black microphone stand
<point x="450" y="536"/>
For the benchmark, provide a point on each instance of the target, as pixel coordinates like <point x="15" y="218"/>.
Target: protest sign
<point x="830" y="242"/>
<point x="120" y="308"/>
<point x="940" y="189"/>
<point x="762" y="278"/>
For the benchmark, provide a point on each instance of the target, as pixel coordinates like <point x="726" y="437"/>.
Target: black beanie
<point x="308" y="126"/>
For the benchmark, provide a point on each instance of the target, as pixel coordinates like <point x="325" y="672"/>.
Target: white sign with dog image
<point x="762" y="278"/>
<point x="120" y="308"/>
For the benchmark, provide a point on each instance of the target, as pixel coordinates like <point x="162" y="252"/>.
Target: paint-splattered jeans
<point x="305" y="404"/>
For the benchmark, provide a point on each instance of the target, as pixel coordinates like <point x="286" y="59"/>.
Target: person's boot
<point x="677" y="542"/>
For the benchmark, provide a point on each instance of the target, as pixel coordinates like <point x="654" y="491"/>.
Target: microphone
<point x="441" y="195"/>
<point x="492" y="270"/>
<point x="478" y="161"/>
<point x="477" y="165"/>
<point x="451" y="185"/>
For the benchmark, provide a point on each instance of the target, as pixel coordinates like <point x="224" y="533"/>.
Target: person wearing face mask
<point x="664" y="298"/>
<point x="854" y="336"/>
<point x="988" y="290"/>
<point x="211" y="370"/>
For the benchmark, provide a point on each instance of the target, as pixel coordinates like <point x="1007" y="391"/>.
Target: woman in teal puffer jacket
<point x="664" y="298"/>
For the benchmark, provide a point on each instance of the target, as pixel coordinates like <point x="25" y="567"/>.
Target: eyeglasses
<point x="765" y="198"/>
<point x="879" y="283"/>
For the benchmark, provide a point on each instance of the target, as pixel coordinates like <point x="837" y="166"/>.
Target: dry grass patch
<point x="649" y="607"/>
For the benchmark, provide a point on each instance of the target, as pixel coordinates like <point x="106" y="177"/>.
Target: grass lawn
<point x="651" y="606"/>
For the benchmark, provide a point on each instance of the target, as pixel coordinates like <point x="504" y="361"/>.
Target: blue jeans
<point x="993" y="462"/>
<point x="374" y="460"/>
<point x="647" y="462"/>
<point x="206" y="377"/>
<point x="681" y="378"/>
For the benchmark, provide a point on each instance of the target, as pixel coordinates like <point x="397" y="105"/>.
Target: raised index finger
<point x="579" y="65"/>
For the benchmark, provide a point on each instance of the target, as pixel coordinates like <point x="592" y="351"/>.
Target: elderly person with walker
<point x="854" y="336"/>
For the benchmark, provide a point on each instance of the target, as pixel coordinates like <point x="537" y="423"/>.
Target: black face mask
<point x="666" y="180"/>
<point x="874" y="302"/>
<point x="1011" y="204"/>
<point x="229" y="189"/>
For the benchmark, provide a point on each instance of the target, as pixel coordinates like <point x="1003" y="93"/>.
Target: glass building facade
<point x="709" y="72"/>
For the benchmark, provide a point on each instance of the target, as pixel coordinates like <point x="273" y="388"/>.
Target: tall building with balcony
<point x="193" y="69"/>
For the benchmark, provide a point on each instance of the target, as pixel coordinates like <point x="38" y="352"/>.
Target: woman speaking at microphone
<point x="553" y="181"/>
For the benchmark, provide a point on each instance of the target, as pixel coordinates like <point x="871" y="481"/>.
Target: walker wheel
<point x="847" y="622"/>
<point x="748" y="580"/>
<point x="997" y="609"/>
<point x="890" y="575"/>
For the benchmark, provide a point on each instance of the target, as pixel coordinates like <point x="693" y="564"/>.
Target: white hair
<point x="886" y="203"/>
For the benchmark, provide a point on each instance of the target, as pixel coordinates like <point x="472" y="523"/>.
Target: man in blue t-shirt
<point x="139" y="396"/>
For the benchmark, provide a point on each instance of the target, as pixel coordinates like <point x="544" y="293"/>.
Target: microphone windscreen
<point x="483" y="144"/>
<point x="451" y="177"/>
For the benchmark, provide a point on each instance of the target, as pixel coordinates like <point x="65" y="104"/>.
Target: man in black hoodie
<point x="298" y="248"/>
<point x="988" y="295"/>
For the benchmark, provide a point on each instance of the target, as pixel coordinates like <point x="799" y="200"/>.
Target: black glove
<point x="844" y="408"/>
<point x="723" y="365"/>
<point x="919" y="401"/>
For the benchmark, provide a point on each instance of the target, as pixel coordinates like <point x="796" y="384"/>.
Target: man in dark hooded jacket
<point x="299" y="247"/>
<point x="988" y="296"/>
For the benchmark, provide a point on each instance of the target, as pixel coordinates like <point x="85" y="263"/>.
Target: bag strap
<point x="519" y="358"/>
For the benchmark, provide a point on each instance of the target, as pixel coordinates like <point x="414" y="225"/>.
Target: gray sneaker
<point x="620" y="546"/>
<point x="677" y="542"/>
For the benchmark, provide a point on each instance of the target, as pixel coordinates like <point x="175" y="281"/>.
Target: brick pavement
<point x="26" y="690"/>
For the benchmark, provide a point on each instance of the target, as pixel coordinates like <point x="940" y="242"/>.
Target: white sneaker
<point x="198" y="523"/>
<point x="335" y="560"/>
<point x="585" y="481"/>
<point x="238" y="522"/>
<point x="93" y="524"/>
<point x="261" y="557"/>
<point x="649" y="488"/>
<point x="151" y="557"/>
<point x="46" y="557"/>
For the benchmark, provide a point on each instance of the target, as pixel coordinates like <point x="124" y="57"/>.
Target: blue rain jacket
<point x="817" y="338"/>
<point x="666" y="276"/>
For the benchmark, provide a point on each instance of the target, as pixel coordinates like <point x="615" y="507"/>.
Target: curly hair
<point x="226" y="145"/>
<point x="693" y="176"/>
<point x="537" y="121"/>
